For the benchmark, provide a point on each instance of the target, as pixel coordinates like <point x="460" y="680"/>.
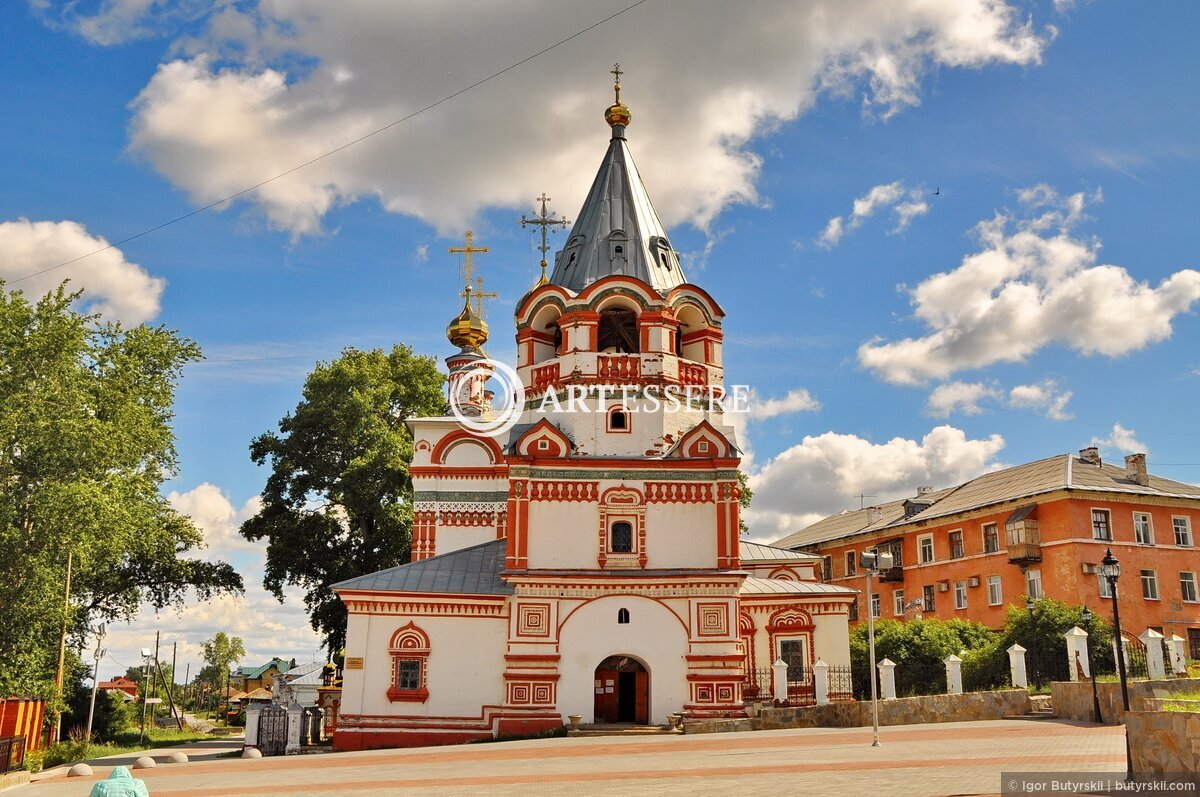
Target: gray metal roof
<point x="617" y="230"/>
<point x="774" y="586"/>
<point x="1060" y="472"/>
<point x="757" y="552"/>
<point x="469" y="571"/>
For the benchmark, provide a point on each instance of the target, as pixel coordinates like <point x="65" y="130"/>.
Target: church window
<point x="621" y="540"/>
<point x="623" y="616"/>
<point x="619" y="250"/>
<point x="792" y="652"/>
<point x="543" y="445"/>
<point x="558" y="340"/>
<point x="408" y="674"/>
<point x="618" y="331"/>
<point x="618" y="420"/>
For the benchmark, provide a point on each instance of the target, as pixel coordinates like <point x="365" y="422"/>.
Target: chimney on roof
<point x="1135" y="469"/>
<point x="874" y="515"/>
<point x="924" y="491"/>
<point x="1090" y="455"/>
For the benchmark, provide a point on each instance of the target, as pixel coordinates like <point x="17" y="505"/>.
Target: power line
<point x="335" y="150"/>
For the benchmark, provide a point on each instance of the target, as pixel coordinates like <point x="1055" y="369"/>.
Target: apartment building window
<point x="995" y="591"/>
<point x="927" y="596"/>
<point x="1187" y="587"/>
<point x="1105" y="587"/>
<point x="851" y="564"/>
<point x="925" y="549"/>
<point x="960" y="594"/>
<point x="898" y="603"/>
<point x="1101" y="524"/>
<point x="1033" y="583"/>
<point x="1143" y="528"/>
<point x="991" y="538"/>
<point x="876" y="605"/>
<point x="897" y="550"/>
<point x="1183" y="531"/>
<point x="827" y="568"/>
<point x="956" y="545"/>
<point x="854" y="611"/>
<point x="1149" y="585"/>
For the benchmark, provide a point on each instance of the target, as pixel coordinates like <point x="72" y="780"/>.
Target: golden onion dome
<point x="617" y="114"/>
<point x="467" y="331"/>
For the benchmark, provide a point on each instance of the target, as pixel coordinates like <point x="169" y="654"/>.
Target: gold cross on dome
<point x="616" y="73"/>
<point x="545" y="221"/>
<point x="468" y="269"/>
<point x="478" y="295"/>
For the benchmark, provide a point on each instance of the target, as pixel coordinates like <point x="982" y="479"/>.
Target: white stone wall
<point x="464" y="670"/>
<point x="655" y="635"/>
<point x="681" y="535"/>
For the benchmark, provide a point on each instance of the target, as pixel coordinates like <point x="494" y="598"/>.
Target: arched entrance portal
<point x="622" y="691"/>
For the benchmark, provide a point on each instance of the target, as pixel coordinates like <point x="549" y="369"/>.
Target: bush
<point x="919" y="648"/>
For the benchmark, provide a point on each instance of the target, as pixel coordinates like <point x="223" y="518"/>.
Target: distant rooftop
<point x="1060" y="472"/>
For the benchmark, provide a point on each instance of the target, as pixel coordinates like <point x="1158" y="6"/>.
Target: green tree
<point x="745" y="496"/>
<point x="85" y="444"/>
<point x="919" y="648"/>
<point x="338" y="502"/>
<point x="220" y="654"/>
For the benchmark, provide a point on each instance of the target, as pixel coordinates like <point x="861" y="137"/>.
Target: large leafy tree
<point x="223" y="651"/>
<point x="338" y="502"/>
<point x="85" y="443"/>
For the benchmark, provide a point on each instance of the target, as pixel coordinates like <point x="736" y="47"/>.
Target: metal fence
<point x="802" y="692"/>
<point x="12" y="753"/>
<point x="841" y="683"/>
<point x="758" y="684"/>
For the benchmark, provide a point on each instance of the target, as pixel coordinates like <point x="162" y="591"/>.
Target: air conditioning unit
<point x="973" y="581"/>
<point x="943" y="586"/>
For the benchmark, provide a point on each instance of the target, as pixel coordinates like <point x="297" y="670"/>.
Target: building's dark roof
<point x="469" y="571"/>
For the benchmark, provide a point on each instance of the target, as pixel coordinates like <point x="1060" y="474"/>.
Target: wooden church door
<point x="622" y="688"/>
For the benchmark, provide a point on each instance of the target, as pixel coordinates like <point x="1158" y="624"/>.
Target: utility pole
<point x="153" y="683"/>
<point x="95" y="678"/>
<point x="56" y="725"/>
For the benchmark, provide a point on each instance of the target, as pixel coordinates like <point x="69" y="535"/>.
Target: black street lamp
<point x="1110" y="568"/>
<point x="1087" y="621"/>
<point x="1033" y="643"/>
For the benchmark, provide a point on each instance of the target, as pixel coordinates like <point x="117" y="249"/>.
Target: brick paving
<point x="920" y="760"/>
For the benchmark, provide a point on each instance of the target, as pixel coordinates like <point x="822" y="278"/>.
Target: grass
<point x="74" y="750"/>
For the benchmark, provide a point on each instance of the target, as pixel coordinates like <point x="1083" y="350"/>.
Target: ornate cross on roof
<point x="468" y="273"/>
<point x="616" y="73"/>
<point x="545" y="221"/>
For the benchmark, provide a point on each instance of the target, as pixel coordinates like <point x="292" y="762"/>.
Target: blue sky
<point x="1068" y="130"/>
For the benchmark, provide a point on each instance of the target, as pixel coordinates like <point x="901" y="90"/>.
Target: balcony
<point x="619" y="367"/>
<point x="1024" y="539"/>
<point x="544" y="376"/>
<point x="692" y="373"/>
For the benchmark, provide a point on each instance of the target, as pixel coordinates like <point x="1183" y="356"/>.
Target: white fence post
<point x="295" y="715"/>
<point x="1016" y="666"/>
<point x="953" y="675"/>
<point x="780" y="680"/>
<point x="1155" y="668"/>
<point x="821" y="682"/>
<point x="251" y="739"/>
<point x="1077" y="654"/>
<point x="887" y="679"/>
<point x="1178" y="655"/>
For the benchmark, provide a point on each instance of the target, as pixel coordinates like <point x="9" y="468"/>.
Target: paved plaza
<point x="946" y="759"/>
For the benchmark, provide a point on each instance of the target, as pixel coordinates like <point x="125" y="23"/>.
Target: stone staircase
<point x="1040" y="708"/>
<point x="621" y="729"/>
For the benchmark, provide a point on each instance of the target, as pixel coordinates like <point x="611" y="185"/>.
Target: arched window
<point x="558" y="340"/>
<point x="621" y="537"/>
<point x="622" y="616"/>
<point x="618" y="331"/>
<point x="618" y="420"/>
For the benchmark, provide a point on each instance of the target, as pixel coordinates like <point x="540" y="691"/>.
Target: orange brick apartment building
<point x="1035" y="529"/>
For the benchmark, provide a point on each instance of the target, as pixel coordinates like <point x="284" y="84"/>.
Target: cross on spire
<point x="616" y="73"/>
<point x="545" y="221"/>
<point x="468" y="274"/>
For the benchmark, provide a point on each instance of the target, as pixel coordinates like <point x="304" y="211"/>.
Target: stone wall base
<point x="1162" y="742"/>
<point x="1072" y="700"/>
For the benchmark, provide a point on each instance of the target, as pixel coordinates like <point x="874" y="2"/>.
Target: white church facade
<point x="588" y="561"/>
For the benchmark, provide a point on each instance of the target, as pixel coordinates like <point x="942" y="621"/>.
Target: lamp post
<point x="95" y="678"/>
<point x="1110" y="569"/>
<point x="1030" y="603"/>
<point x="146" y="656"/>
<point x="1087" y="622"/>
<point x="872" y="563"/>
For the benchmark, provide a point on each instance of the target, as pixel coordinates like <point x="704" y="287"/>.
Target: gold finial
<point x="468" y="270"/>
<point x="468" y="330"/>
<point x="479" y="295"/>
<point x="617" y="114"/>
<point x="544" y="221"/>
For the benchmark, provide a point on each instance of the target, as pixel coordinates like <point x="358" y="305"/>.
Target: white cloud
<point x="968" y="398"/>
<point x="120" y="21"/>
<point x="267" y="627"/>
<point x="880" y="197"/>
<point x="961" y="397"/>
<point x="1031" y="285"/>
<point x="421" y="254"/>
<point x="1044" y="396"/>
<point x="824" y="474"/>
<point x="114" y="287"/>
<point x="1121" y="440"/>
<point x="797" y="400"/>
<point x="272" y="85"/>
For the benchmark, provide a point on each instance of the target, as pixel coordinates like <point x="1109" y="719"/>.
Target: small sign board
<point x="153" y="700"/>
<point x="355" y="663"/>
